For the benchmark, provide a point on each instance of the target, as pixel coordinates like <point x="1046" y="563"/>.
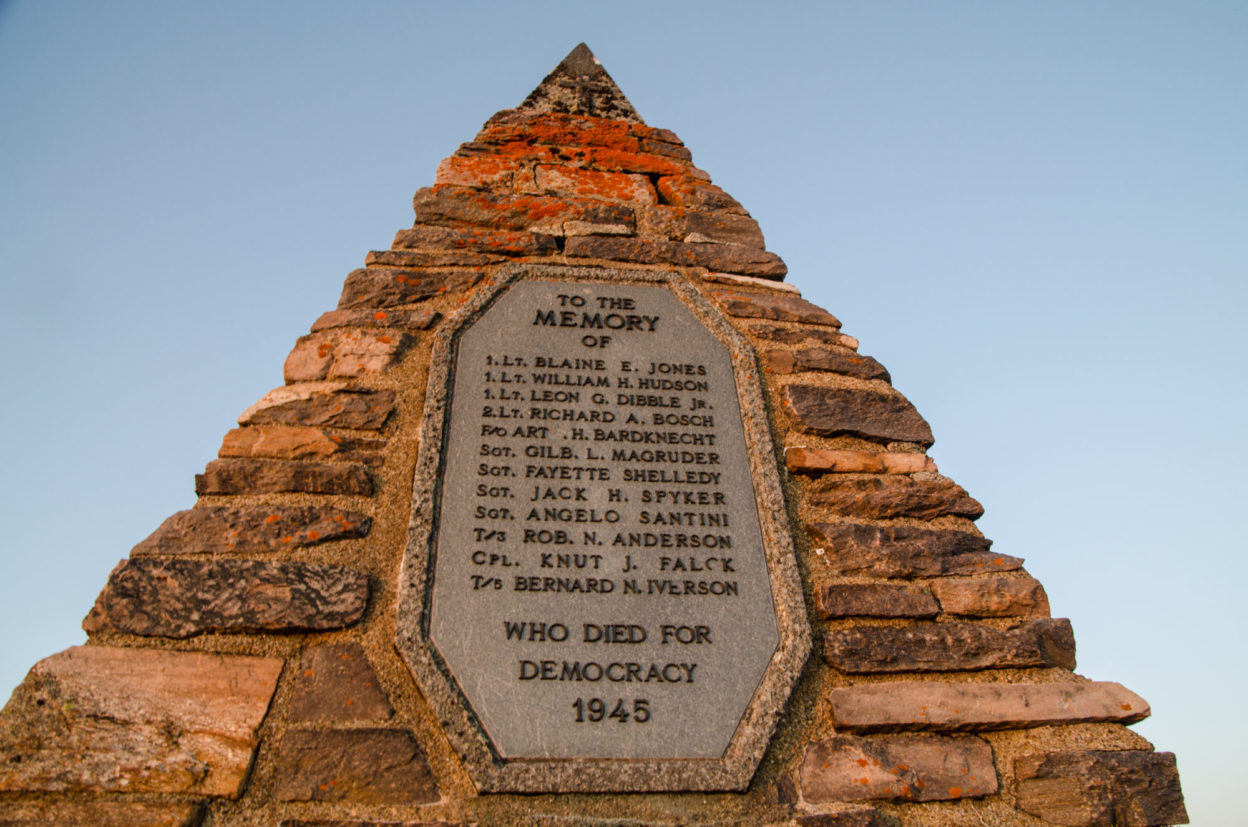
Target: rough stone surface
<point x="752" y="283"/>
<point x="99" y="718"/>
<point x="176" y="597"/>
<point x="293" y="442"/>
<point x="828" y="359"/>
<point x="321" y="403"/>
<point x="344" y="353"/>
<point x="413" y="319"/>
<point x="676" y="224"/>
<point x="299" y="822"/>
<point x="270" y="476"/>
<point x="252" y="529"/>
<point x="956" y="646"/>
<point x="997" y="596"/>
<point x="897" y="767"/>
<point x="882" y="417"/>
<point x="906" y="551"/>
<point x="503" y="242"/>
<point x="772" y="306"/>
<point x="818" y="461"/>
<point x="875" y="600"/>
<point x="99" y="814"/>
<point x="804" y="334"/>
<point x="591" y="183"/>
<point x="733" y="258"/>
<point x="413" y="259"/>
<point x="1086" y="788"/>
<point x="953" y="707"/>
<point x="387" y="286"/>
<point x="458" y="206"/>
<point x="686" y="191"/>
<point x="847" y="818"/>
<point x="361" y="766"/>
<point x="579" y="85"/>
<point x="889" y="497"/>
<point x="335" y="683"/>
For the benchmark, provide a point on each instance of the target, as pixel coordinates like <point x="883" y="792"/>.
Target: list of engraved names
<point x="600" y="586"/>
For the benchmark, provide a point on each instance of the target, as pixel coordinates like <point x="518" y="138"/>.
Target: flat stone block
<point x="622" y="187"/>
<point x="274" y="476"/>
<point x="875" y="600"/>
<point x="956" y="646"/>
<point x="819" y="461"/>
<point x="1101" y="787"/>
<point x="101" y="718"/>
<point x="503" y="242"/>
<point x="336" y="683"/>
<point x="847" y="818"/>
<point x="99" y="814"/>
<point x="890" y="497"/>
<point x="359" y="766"/>
<point x="321" y="403"/>
<point x="459" y="206"/>
<point x="676" y="224"/>
<point x="176" y="597"/>
<point x="997" y="596"/>
<point x="772" y="306"/>
<point x="880" y="417"/>
<point x="897" y="767"/>
<point x="292" y="442"/>
<point x="375" y="287"/>
<point x="253" y="529"/>
<point x="732" y="258"/>
<point x="343" y="353"/>
<point x="688" y="191"/>
<point x="906" y="551"/>
<point x="811" y="334"/>
<point x="953" y="707"/>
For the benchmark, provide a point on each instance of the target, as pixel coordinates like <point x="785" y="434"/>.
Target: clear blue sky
<point x="1035" y="214"/>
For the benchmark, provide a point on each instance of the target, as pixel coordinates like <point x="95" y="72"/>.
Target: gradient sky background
<point x="1034" y="214"/>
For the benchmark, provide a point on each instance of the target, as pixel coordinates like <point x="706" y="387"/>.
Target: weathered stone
<point x="777" y="361"/>
<point x="772" y="306"/>
<point x="580" y="85"/>
<point x="561" y="129"/>
<point x="752" y="283"/>
<point x="271" y="476"/>
<point x="253" y="529"/>
<point x="293" y="442"/>
<point x="504" y="242"/>
<point x="998" y="596"/>
<point x="105" y="719"/>
<point x="848" y="818"/>
<point x="816" y="460"/>
<point x="622" y="187"/>
<point x="415" y="259"/>
<point x="953" y="707"/>
<point x="731" y="257"/>
<point x="479" y="170"/>
<point x="176" y="597"/>
<point x="686" y="191"/>
<point x="950" y="647"/>
<point x="605" y="158"/>
<point x="897" y="767"/>
<point x="343" y="353"/>
<point x="360" y="766"/>
<point x="889" y="496"/>
<point x="1092" y="788"/>
<point x="677" y="224"/>
<point x="875" y="600"/>
<point x="457" y="206"/>
<point x="387" y="286"/>
<point x="336" y="683"/>
<point x="300" y="822"/>
<point x="414" y="319"/>
<point x="869" y="414"/>
<point x="99" y="813"/>
<point x="804" y="334"/>
<point x="906" y="551"/>
<point x="839" y="360"/>
<point x="321" y="403"/>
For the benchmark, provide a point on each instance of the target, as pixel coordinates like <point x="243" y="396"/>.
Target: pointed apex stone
<point x="580" y="86"/>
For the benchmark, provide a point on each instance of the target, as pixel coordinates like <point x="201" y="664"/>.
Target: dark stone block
<point x="1095" y="787"/>
<point x="253" y="529"/>
<point x="891" y="496"/>
<point x="387" y="286"/>
<point x="780" y="308"/>
<point x="730" y="258"/>
<point x="875" y="600"/>
<point x="907" y="551"/>
<point x="502" y="242"/>
<point x="271" y="476"/>
<point x="336" y="683"/>
<point x="941" y="647"/>
<point x="360" y="410"/>
<point x="359" y="766"/>
<point x="881" y="417"/>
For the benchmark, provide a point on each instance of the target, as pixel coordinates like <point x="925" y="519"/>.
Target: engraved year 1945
<point x="594" y="710"/>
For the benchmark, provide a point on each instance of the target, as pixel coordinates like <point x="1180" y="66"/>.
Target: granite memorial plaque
<point x="593" y="575"/>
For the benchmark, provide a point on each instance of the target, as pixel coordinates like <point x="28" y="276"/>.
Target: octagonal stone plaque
<point x="599" y="590"/>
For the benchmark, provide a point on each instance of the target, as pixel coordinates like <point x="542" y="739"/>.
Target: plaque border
<point x="493" y="773"/>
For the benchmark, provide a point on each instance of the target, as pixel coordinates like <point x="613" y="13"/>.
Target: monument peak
<point x="580" y="85"/>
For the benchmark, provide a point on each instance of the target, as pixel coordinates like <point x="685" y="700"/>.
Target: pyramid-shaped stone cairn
<point x="268" y="657"/>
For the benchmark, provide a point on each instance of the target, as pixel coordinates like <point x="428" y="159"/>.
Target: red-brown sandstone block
<point x="291" y="442"/>
<point x="411" y="319"/>
<point x="253" y="529"/>
<point x="686" y="191"/>
<point x="343" y="353"/>
<point x="777" y="361"/>
<point x="839" y="600"/>
<point x="804" y="334"/>
<point x="905" y="551"/>
<point x="458" y="206"/>
<point x="881" y="417"/>
<point x="802" y="460"/>
<point x="272" y="476"/>
<point x="419" y="259"/>
<point x="1095" y="787"/>
<point x="105" y="719"/>
<point x="732" y="258"/>
<point x="358" y="766"/>
<point x="100" y="813"/>
<point x="897" y="767"/>
<point x="773" y="306"/>
<point x="503" y="242"/>
<point x="336" y="683"/>
<point x="889" y="497"/>
<point x="840" y="360"/>
<point x="480" y="171"/>
<point x="856" y="817"/>
<point x="997" y="596"/>
<point x="667" y="149"/>
<point x="321" y="403"/>
<point x="955" y="707"/>
<point x="622" y="187"/>
<point x="677" y="224"/>
<point x="557" y="129"/>
<point x="950" y="647"/>
<point x="179" y="598"/>
<point x="384" y="287"/>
